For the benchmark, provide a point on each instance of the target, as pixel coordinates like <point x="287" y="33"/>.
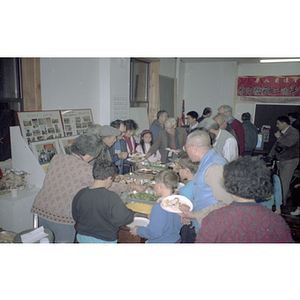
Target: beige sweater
<point x="66" y="175"/>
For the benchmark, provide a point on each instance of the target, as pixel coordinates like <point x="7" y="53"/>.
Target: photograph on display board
<point x="39" y="126"/>
<point x="65" y="144"/>
<point x="45" y="150"/>
<point x="76" y="121"/>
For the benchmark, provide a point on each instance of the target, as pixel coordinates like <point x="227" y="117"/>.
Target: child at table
<point x="99" y="212"/>
<point x="187" y="170"/>
<point x="145" y="144"/>
<point x="164" y="227"/>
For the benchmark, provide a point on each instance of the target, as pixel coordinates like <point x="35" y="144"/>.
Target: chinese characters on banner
<point x="268" y="89"/>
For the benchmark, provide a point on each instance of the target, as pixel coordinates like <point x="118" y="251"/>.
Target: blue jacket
<point x="164" y="227"/>
<point x="202" y="194"/>
<point x="115" y="158"/>
<point x="187" y="190"/>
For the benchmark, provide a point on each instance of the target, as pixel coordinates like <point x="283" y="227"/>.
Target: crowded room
<point x="91" y="156"/>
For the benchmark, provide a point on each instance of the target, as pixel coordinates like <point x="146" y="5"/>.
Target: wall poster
<point x="40" y="125"/>
<point x="76" y="121"/>
<point x="120" y="108"/>
<point x="268" y="89"/>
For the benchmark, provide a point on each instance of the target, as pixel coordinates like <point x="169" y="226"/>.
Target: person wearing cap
<point x="66" y="175"/>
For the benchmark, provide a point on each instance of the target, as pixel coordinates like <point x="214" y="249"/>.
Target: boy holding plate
<point x="164" y="226"/>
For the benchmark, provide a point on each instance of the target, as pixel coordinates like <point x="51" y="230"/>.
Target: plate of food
<point x="136" y="159"/>
<point x="172" y="204"/>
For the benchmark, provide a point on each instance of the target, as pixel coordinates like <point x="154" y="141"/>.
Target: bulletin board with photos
<point x="50" y="132"/>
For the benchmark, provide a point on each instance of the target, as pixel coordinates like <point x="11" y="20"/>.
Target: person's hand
<point x="139" y="188"/>
<point x="185" y="221"/>
<point x="278" y="211"/>
<point x="123" y="155"/>
<point x="148" y="155"/>
<point x="277" y="134"/>
<point x="159" y="199"/>
<point x="133" y="230"/>
<point x="176" y="168"/>
<point x="139" y="165"/>
<point x="297" y="185"/>
<point x="186" y="214"/>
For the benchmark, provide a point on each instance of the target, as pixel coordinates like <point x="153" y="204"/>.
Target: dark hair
<point x="131" y="124"/>
<point x="246" y="116"/>
<point x="169" y="178"/>
<point x="117" y="123"/>
<point x="193" y="114"/>
<point x="160" y="113"/>
<point x="247" y="177"/>
<point x="293" y="114"/>
<point x="102" y="169"/>
<point x="283" y="119"/>
<point x="90" y="144"/>
<point x="186" y="163"/>
<point x="142" y="143"/>
<point x="206" y="110"/>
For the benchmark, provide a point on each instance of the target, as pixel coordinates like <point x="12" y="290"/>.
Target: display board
<point x="266" y="114"/>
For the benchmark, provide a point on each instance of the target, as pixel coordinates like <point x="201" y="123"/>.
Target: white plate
<point x="172" y="150"/>
<point x="182" y="199"/>
<point x="136" y="159"/>
<point x="139" y="221"/>
<point x="137" y="155"/>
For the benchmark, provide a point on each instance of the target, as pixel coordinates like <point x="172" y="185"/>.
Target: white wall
<point x="209" y="85"/>
<point x="93" y="82"/>
<point x="70" y="83"/>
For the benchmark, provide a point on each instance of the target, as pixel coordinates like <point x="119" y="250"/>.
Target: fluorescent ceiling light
<point x="279" y="60"/>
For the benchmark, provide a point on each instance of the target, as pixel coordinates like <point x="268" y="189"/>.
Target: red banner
<point x="268" y="89"/>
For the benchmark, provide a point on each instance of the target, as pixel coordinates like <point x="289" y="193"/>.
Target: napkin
<point x="34" y="236"/>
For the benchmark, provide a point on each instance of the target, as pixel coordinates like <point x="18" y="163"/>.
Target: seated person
<point x="145" y="143"/>
<point x="245" y="220"/>
<point x="99" y="212"/>
<point x="164" y="227"/>
<point x="275" y="194"/>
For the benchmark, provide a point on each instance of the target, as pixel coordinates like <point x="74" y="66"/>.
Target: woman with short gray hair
<point x="66" y="175"/>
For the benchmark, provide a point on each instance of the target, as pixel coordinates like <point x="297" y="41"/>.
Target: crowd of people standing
<point x="216" y="163"/>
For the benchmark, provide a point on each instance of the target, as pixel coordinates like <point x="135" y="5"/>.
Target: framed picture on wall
<point x="65" y="144"/>
<point x="76" y="121"/>
<point x="45" y="150"/>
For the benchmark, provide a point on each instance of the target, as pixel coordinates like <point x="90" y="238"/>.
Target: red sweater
<point x="244" y="223"/>
<point x="237" y="126"/>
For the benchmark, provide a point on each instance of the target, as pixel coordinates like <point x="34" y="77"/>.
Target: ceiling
<point x="220" y="59"/>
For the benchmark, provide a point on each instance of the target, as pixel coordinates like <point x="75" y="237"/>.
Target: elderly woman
<point x="66" y="175"/>
<point x="245" y="220"/>
<point x="171" y="138"/>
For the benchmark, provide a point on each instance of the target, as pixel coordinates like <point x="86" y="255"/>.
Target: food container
<point x="7" y="236"/>
<point x="151" y="202"/>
